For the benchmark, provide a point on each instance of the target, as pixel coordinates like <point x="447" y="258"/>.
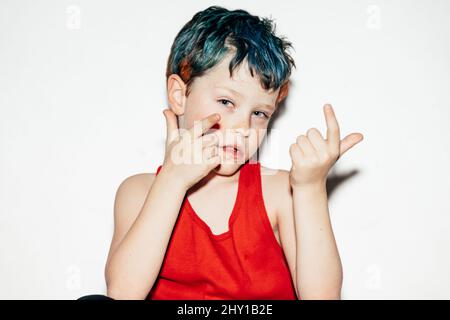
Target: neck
<point x="213" y="179"/>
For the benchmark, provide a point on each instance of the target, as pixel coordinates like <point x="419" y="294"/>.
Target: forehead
<point x="241" y="83"/>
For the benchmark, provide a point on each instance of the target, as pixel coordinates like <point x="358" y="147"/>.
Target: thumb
<point x="349" y="141"/>
<point x="171" y="125"/>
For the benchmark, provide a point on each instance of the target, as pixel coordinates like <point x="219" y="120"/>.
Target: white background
<point x="82" y="87"/>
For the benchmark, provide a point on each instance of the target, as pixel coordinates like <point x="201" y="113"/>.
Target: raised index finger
<point x="200" y="127"/>
<point x="333" y="134"/>
<point x="171" y="126"/>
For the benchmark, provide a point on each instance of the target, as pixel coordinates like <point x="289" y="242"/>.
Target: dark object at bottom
<point x="95" y="297"/>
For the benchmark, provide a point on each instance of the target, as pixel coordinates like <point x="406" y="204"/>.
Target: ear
<point x="284" y="89"/>
<point x="176" y="94"/>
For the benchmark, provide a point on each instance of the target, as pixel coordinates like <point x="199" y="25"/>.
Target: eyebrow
<point x="229" y="89"/>
<point x="240" y="95"/>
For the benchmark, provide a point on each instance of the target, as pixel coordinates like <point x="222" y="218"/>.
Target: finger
<point x="296" y="153"/>
<point x="171" y="126"/>
<point x="306" y="146"/>
<point x="205" y="125"/>
<point x="349" y="141"/>
<point x="209" y="140"/>
<point x="210" y="152"/>
<point x="317" y="141"/>
<point x="213" y="161"/>
<point x="212" y="157"/>
<point x="333" y="132"/>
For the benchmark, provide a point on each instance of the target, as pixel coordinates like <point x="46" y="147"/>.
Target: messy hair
<point x="214" y="32"/>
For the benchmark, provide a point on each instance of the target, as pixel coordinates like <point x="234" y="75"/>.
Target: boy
<point x="226" y="75"/>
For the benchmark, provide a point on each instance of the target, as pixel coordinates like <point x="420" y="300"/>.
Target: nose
<point x="242" y="127"/>
<point x="237" y="125"/>
<point x="244" y="132"/>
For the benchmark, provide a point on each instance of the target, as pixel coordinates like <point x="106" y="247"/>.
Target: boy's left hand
<point x="312" y="156"/>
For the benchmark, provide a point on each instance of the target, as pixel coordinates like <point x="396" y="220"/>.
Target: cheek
<point x="260" y="132"/>
<point x="196" y="112"/>
<point x="255" y="139"/>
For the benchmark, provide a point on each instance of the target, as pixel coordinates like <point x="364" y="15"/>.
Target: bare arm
<point x="140" y="243"/>
<point x="306" y="234"/>
<point x="136" y="255"/>
<point x="319" y="269"/>
<point x="318" y="266"/>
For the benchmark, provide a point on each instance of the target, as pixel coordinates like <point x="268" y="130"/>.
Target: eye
<point x="224" y="101"/>
<point x="265" y="115"/>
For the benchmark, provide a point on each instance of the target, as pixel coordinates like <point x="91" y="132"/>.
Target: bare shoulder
<point x="139" y="182"/>
<point x="276" y="184"/>
<point x="279" y="176"/>
<point x="277" y="181"/>
<point x="132" y="192"/>
<point x="129" y="199"/>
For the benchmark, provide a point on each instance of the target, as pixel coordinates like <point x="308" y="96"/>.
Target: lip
<point x="237" y="153"/>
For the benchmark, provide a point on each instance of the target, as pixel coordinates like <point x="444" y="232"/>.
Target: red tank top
<point x="244" y="263"/>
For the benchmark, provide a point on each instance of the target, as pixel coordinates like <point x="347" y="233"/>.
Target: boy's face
<point x="243" y="104"/>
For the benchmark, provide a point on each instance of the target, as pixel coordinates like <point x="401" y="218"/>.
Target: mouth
<point x="232" y="151"/>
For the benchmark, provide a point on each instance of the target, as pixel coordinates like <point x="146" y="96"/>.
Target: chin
<point x="228" y="168"/>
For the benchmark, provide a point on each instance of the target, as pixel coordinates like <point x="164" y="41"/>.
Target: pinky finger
<point x="209" y="152"/>
<point x="214" y="161"/>
<point x="295" y="152"/>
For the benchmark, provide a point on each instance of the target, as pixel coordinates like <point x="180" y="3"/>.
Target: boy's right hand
<point x="190" y="155"/>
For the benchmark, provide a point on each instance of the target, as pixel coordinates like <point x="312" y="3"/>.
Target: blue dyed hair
<point x="214" y="32"/>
